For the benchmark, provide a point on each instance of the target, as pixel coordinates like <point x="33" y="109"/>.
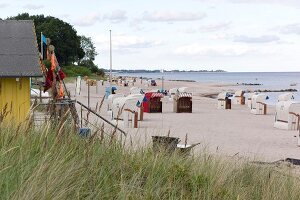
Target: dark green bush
<point x="72" y="71"/>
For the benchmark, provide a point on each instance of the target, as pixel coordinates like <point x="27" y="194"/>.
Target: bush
<point x="72" y="71"/>
<point x="94" y="68"/>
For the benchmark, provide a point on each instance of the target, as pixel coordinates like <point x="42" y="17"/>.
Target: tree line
<point x="70" y="48"/>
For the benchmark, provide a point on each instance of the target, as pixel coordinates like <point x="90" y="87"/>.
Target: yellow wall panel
<point x="16" y="94"/>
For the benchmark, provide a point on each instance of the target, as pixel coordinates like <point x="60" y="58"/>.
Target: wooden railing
<point x="97" y="115"/>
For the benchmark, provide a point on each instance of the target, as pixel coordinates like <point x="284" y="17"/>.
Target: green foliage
<point x="51" y="164"/>
<point x="63" y="36"/>
<point x="89" y="49"/>
<point x="94" y="68"/>
<point x="72" y="71"/>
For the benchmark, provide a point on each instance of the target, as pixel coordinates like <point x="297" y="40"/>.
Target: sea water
<point x="269" y="80"/>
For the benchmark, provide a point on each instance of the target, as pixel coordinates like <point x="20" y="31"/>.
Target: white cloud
<point x="125" y="42"/>
<point x="33" y="6"/>
<point x="290" y="29"/>
<point x="222" y="50"/>
<point x="89" y="19"/>
<point x="259" y="39"/>
<point x="116" y="16"/>
<point x="200" y="50"/>
<point x="281" y="2"/>
<point x="209" y="28"/>
<point x="3" y="5"/>
<point x="172" y="16"/>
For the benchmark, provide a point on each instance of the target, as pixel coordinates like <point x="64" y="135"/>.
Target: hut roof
<point x="19" y="56"/>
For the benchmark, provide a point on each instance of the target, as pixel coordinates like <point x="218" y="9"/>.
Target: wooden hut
<point x="183" y="103"/>
<point x="153" y="104"/>
<point x="19" y="61"/>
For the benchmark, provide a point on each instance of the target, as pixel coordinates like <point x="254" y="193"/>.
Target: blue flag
<point x="44" y="40"/>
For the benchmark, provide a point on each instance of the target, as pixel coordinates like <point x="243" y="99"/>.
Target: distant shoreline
<point x="165" y="71"/>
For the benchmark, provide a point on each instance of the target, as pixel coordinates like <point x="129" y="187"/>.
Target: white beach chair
<point x="111" y="98"/>
<point x="286" y="97"/>
<point x="172" y="93"/>
<point x="129" y="102"/>
<point x="224" y="101"/>
<point x="249" y="99"/>
<point x="287" y="115"/>
<point x="258" y="104"/>
<point x="239" y="97"/>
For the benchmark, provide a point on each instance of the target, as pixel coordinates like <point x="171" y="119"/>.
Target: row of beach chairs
<point x="287" y="114"/>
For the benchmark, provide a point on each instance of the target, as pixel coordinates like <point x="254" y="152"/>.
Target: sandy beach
<point x="234" y="132"/>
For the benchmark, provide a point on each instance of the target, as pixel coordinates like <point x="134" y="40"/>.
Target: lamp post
<point x="110" y="74"/>
<point x="162" y="79"/>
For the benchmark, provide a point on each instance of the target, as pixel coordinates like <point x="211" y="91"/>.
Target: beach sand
<point x="234" y="132"/>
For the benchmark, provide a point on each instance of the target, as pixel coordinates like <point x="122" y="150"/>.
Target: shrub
<point x="72" y="71"/>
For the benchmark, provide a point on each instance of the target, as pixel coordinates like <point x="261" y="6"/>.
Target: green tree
<point x="89" y="49"/>
<point x="89" y="56"/>
<point x="63" y="36"/>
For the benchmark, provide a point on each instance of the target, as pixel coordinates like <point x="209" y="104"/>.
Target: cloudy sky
<point x="234" y="35"/>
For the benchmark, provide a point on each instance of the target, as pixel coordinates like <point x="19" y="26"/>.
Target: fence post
<point x="135" y="118"/>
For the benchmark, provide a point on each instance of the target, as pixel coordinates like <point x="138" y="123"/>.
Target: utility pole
<point x="110" y="74"/>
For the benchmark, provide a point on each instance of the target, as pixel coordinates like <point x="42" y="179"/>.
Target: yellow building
<point x="19" y="61"/>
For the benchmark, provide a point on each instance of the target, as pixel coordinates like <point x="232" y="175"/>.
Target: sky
<point x="233" y="35"/>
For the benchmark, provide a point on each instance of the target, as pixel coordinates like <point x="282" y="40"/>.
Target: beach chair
<point x="258" y="104"/>
<point x="249" y="99"/>
<point x="239" y="97"/>
<point x="153" y="104"/>
<point x="183" y="103"/>
<point x="111" y="98"/>
<point x="287" y="115"/>
<point x="130" y="102"/>
<point x="172" y="93"/>
<point x="223" y="101"/>
<point x="286" y="97"/>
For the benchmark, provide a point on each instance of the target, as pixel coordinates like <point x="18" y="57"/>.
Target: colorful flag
<point x="61" y="90"/>
<point x="60" y="75"/>
<point x="53" y="62"/>
<point x="43" y="39"/>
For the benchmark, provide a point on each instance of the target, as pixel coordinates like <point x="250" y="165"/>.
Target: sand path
<point x="225" y="132"/>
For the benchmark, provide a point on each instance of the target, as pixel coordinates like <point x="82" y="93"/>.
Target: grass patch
<point x="52" y="164"/>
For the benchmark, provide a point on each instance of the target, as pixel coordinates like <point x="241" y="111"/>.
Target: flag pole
<point x="42" y="50"/>
<point x="110" y="75"/>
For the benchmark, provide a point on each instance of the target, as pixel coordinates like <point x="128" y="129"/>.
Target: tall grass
<point x="54" y="164"/>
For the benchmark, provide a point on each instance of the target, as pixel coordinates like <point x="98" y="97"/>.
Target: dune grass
<point x="52" y="164"/>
